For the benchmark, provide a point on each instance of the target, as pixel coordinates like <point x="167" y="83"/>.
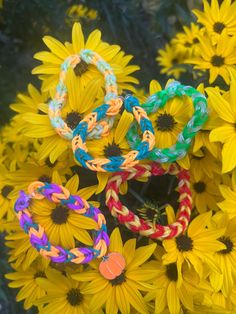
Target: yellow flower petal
<point x="173" y="299"/>
<point x="77" y="38"/>
<point x="141" y="255"/>
<point x="116" y="244"/>
<point x="228" y="156"/>
<point x="123" y="127"/>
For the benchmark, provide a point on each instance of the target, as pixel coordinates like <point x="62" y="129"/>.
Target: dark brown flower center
<point x="217" y="61"/>
<point x="165" y="122"/>
<point x="44" y="178"/>
<point x="199" y="187"/>
<point x="74" y="297"/>
<point x="60" y="214"/>
<point x="81" y="68"/>
<point x="184" y="243"/>
<point x="49" y="163"/>
<point x="112" y="150"/>
<point x="39" y="274"/>
<point x="171" y="272"/>
<point x="6" y="190"/>
<point x="118" y="280"/>
<point x="195" y="40"/>
<point x="174" y="61"/>
<point x="187" y="45"/>
<point x="198" y="157"/>
<point x="228" y="243"/>
<point x="218" y="27"/>
<point x="73" y="119"/>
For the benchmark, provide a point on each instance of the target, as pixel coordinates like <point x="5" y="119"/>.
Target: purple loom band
<point x="39" y="240"/>
<point x="76" y="207"/>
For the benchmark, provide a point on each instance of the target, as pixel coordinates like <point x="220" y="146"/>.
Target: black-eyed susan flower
<point x="26" y="281"/>
<point x="30" y="102"/>
<point x="64" y="295"/>
<point x="186" y="42"/>
<point x="225" y="106"/>
<point x="31" y="171"/>
<point x="123" y="292"/>
<point x="218" y="18"/>
<point x="218" y="59"/>
<point x="80" y="101"/>
<point x="62" y="225"/>
<point x="79" y="12"/>
<point x="196" y="246"/>
<point x="169" y="293"/>
<point x="52" y="60"/>
<point x="21" y="253"/>
<point x="224" y="258"/>
<point x="6" y="203"/>
<point x="205" y="193"/>
<point x="170" y="120"/>
<point x="228" y="205"/>
<point x="112" y="145"/>
<point x="170" y="61"/>
<point x="203" y="163"/>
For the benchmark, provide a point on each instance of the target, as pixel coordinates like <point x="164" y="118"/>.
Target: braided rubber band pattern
<point x="38" y="238"/>
<point x="115" y="163"/>
<point x="158" y="100"/>
<point x="136" y="224"/>
<point x="111" y="97"/>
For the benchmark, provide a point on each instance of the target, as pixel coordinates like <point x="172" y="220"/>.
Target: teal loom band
<point x="184" y="139"/>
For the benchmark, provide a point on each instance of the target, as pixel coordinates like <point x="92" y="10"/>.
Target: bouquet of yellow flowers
<point x="114" y="200"/>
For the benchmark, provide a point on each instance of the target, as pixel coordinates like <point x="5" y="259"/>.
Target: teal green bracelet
<point x="184" y="139"/>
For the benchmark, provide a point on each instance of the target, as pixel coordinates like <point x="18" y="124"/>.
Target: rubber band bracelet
<point x="115" y="163"/>
<point x="158" y="100"/>
<point x="136" y="224"/>
<point x="38" y="238"/>
<point x="111" y="97"/>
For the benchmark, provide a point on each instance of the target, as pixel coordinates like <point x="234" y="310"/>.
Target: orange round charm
<point x="112" y="265"/>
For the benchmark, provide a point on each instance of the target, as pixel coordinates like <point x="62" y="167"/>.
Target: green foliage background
<point x="140" y="27"/>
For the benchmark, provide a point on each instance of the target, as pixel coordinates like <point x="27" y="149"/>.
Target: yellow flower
<point x="21" y="254"/>
<point x="202" y="141"/>
<point x="26" y="280"/>
<point x="169" y="121"/>
<point x="196" y="246"/>
<point x="6" y="204"/>
<point x="78" y="12"/>
<point x="64" y="295"/>
<point x="52" y="60"/>
<point x="167" y="292"/>
<point x="112" y="145"/>
<point x="226" y="133"/>
<point x="187" y="42"/>
<point x="63" y="225"/>
<point x="203" y="163"/>
<point x="80" y="101"/>
<point x="205" y="193"/>
<point x="218" y="59"/>
<point x="217" y="18"/>
<point x="31" y="171"/>
<point x="228" y="205"/>
<point x="124" y="290"/>
<point x="225" y="258"/>
<point x="170" y="61"/>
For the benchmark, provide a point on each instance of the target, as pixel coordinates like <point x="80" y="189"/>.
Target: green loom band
<point x="184" y="139"/>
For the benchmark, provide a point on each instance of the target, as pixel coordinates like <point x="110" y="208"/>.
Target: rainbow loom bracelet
<point x="115" y="163"/>
<point x="111" y="97"/>
<point x="139" y="225"/>
<point x="158" y="100"/>
<point x="38" y="238"/>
